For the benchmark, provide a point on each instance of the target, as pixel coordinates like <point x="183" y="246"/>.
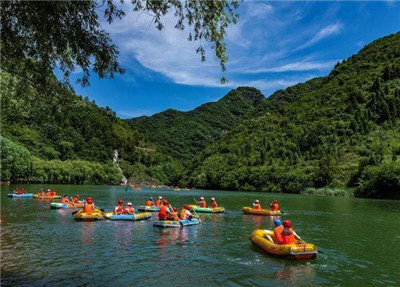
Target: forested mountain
<point x="183" y="134"/>
<point x="61" y="137"/>
<point x="340" y="130"/>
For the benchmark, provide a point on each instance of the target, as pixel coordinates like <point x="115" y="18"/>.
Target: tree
<point x="68" y="34"/>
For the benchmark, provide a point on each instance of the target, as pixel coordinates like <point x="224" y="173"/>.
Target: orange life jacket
<point x="64" y="200"/>
<point x="173" y="216"/>
<point x="129" y="210"/>
<point x="214" y="204"/>
<point x="182" y="215"/>
<point x="75" y="200"/>
<point x="275" y="207"/>
<point x="257" y="206"/>
<point x="162" y="214"/>
<point x="158" y="202"/>
<point x="88" y="207"/>
<point x="149" y="203"/>
<point x="277" y="234"/>
<point x="42" y="194"/>
<point x="203" y="203"/>
<point x="288" y="236"/>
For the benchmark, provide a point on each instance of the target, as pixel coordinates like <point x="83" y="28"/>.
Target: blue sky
<point x="274" y="45"/>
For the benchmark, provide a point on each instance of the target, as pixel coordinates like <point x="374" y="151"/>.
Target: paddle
<point x="197" y="216"/>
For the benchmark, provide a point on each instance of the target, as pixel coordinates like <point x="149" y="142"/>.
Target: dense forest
<point x="342" y="130"/>
<point x="183" y="134"/>
<point x="64" y="138"/>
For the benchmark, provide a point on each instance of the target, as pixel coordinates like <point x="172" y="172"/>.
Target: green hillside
<point x="342" y="130"/>
<point x="61" y="137"/>
<point x="183" y="134"/>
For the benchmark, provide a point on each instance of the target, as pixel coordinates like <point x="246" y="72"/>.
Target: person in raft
<point x="202" y="202"/>
<point x="213" y="203"/>
<point x="150" y="201"/>
<point x="75" y="200"/>
<point x="173" y="215"/>
<point x="118" y="209"/>
<point x="41" y="193"/>
<point x="277" y="231"/>
<point x="129" y="210"/>
<point x="256" y="204"/>
<point x="288" y="234"/>
<point x="65" y="199"/>
<point x="159" y="201"/>
<point x="88" y="206"/>
<point x="164" y="210"/>
<point x="185" y="213"/>
<point x="48" y="192"/>
<point x="20" y="191"/>
<point x="274" y="205"/>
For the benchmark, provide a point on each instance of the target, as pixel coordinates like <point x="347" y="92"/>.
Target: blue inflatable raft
<point x="134" y="217"/>
<point x="173" y="223"/>
<point x="16" y="195"/>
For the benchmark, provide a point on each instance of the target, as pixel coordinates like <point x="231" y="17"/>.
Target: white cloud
<point x="256" y="39"/>
<point x="258" y="9"/>
<point x="167" y="52"/>
<point x="294" y="67"/>
<point x="323" y="33"/>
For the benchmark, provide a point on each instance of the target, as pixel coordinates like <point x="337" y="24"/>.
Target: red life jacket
<point x="288" y="236"/>
<point x="203" y="203"/>
<point x="118" y="209"/>
<point x="162" y="214"/>
<point x="214" y="204"/>
<point x="129" y="210"/>
<point x="257" y="206"/>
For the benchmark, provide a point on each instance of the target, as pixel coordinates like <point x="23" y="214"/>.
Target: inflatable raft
<point x="134" y="217"/>
<point x="16" y="195"/>
<point x="206" y="209"/>
<point x="299" y="250"/>
<point x="148" y="208"/>
<point x="47" y="197"/>
<point x="264" y="212"/>
<point x="173" y="223"/>
<point x="96" y="214"/>
<point x="59" y="205"/>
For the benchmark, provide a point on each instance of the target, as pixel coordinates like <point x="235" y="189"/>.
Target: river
<point x="359" y="238"/>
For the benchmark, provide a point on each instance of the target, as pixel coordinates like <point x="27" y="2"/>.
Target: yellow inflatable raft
<point x="299" y="250"/>
<point x="46" y="196"/>
<point x="264" y="212"/>
<point x="96" y="214"/>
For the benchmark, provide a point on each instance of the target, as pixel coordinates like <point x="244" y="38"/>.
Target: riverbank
<point x="327" y="191"/>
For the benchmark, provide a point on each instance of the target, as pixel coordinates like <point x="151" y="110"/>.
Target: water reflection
<point x="88" y="232"/>
<point x="296" y="275"/>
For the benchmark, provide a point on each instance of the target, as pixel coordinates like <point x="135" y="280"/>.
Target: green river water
<point x="359" y="238"/>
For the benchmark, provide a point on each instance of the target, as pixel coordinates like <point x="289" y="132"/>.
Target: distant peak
<point x="250" y="94"/>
